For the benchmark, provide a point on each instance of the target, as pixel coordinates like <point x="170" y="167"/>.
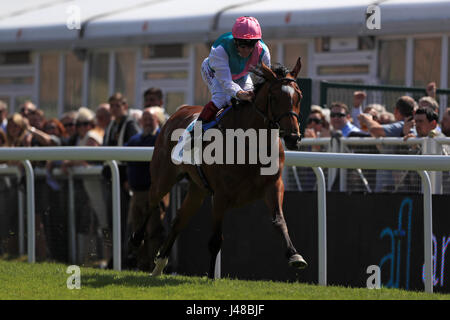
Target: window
<point x="125" y="75"/>
<point x="49" y="83"/>
<point x="427" y="61"/>
<point x="291" y="53"/>
<point x="16" y="80"/>
<point x="98" y="79"/>
<point x="165" y="51"/>
<point x="341" y="70"/>
<point x="391" y="62"/>
<point x="73" y="82"/>
<point x="15" y="57"/>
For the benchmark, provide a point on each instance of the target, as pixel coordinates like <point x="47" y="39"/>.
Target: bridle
<point x="275" y="123"/>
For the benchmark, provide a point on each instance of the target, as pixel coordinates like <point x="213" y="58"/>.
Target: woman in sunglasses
<point x="225" y="70"/>
<point x="317" y="125"/>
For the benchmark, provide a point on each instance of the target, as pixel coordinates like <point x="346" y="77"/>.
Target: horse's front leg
<point x="274" y="201"/>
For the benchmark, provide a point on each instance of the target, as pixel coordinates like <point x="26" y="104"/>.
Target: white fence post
<point x="322" y="224"/>
<point x="31" y="226"/>
<point x="71" y="219"/>
<point x="117" y="245"/>
<point x="427" y="230"/>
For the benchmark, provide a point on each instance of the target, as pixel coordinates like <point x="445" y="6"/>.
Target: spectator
<point x="26" y="107"/>
<point x="379" y="108"/>
<point x="102" y="118"/>
<point x="86" y="137"/>
<point x="139" y="182"/>
<point x="445" y="122"/>
<point x="52" y="133"/>
<point x="36" y="119"/>
<point x="90" y="190"/>
<point x="358" y="99"/>
<point x="160" y="114"/>
<point x="431" y="89"/>
<point x="386" y="118"/>
<point x="317" y="126"/>
<point x="118" y="133"/>
<point x="18" y="135"/>
<point x="123" y="126"/>
<point x="52" y="199"/>
<point x="371" y="111"/>
<point x="3" y="115"/>
<point x="68" y="121"/>
<point x="136" y="114"/>
<point x="404" y="108"/>
<point x="429" y="102"/>
<point x="425" y="121"/>
<point x="17" y="131"/>
<point x="54" y="127"/>
<point x="340" y="119"/>
<point x="153" y="97"/>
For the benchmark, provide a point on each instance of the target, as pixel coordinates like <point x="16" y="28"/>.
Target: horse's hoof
<point x="297" y="261"/>
<point x="160" y="264"/>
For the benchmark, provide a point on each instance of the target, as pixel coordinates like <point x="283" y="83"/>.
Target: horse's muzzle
<point x="292" y="140"/>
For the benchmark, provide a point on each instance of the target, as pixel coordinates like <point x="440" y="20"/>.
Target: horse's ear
<point x="267" y="72"/>
<point x="297" y="68"/>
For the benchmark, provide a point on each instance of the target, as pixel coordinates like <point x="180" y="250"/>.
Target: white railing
<point x="315" y="160"/>
<point x="344" y="145"/>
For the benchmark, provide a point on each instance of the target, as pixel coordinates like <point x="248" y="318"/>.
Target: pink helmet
<point x="246" y="28"/>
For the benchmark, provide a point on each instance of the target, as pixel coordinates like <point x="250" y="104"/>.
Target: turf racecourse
<point x="48" y="281"/>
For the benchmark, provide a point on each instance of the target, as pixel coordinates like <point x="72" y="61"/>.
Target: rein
<point x="275" y="123"/>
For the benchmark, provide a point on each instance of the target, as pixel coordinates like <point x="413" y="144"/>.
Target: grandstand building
<point x="63" y="54"/>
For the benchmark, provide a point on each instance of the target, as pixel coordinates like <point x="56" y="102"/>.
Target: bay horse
<point x="276" y="105"/>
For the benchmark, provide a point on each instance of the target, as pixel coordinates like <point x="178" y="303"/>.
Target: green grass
<point x="48" y="281"/>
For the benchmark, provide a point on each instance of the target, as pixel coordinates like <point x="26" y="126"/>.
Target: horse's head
<point x="279" y="99"/>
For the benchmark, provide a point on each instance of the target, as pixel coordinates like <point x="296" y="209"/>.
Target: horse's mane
<point x="258" y="78"/>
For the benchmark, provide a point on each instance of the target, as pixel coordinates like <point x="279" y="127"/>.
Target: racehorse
<point x="276" y="105"/>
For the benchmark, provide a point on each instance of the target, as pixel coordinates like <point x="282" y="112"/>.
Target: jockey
<point x="226" y="69"/>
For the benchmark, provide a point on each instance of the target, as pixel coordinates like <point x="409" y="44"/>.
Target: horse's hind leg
<point x="215" y="242"/>
<point x="191" y="203"/>
<point x="274" y="200"/>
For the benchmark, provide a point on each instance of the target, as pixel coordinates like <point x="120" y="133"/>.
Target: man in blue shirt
<point x="139" y="180"/>
<point x="340" y="119"/>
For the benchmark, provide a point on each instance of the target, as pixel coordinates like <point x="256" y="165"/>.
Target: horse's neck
<point x="244" y="117"/>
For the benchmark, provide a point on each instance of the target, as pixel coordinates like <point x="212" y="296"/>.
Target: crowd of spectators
<point x="111" y="123"/>
<point x="409" y="119"/>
